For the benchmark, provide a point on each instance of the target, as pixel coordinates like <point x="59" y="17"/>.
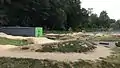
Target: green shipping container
<point x="38" y="31"/>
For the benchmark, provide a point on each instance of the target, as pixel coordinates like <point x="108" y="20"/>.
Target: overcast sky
<point x="111" y="6"/>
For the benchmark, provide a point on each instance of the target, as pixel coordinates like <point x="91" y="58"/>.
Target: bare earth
<point x="41" y="40"/>
<point x="100" y="51"/>
<point x="5" y="51"/>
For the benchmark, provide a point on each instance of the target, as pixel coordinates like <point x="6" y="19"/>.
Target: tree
<point x="118" y="24"/>
<point x="84" y="18"/>
<point x="90" y="10"/>
<point x="93" y="19"/>
<point x="52" y="14"/>
<point x="73" y="11"/>
<point x="3" y="12"/>
<point x="104" y="20"/>
<point x="5" y="2"/>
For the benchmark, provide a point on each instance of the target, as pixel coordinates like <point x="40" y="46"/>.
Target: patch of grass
<point x="112" y="61"/>
<point x="33" y="63"/>
<point x="116" y="50"/>
<point x="107" y="38"/>
<point x="6" y="41"/>
<point x="115" y="57"/>
<point x="72" y="46"/>
<point x="58" y="32"/>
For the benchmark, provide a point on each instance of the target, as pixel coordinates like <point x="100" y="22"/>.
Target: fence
<point x="23" y="31"/>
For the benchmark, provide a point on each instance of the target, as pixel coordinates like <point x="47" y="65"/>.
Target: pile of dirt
<point x="7" y="51"/>
<point x="7" y="47"/>
<point x="41" y="40"/>
<point x="68" y="36"/>
<point x="100" y="51"/>
<point x="34" y="40"/>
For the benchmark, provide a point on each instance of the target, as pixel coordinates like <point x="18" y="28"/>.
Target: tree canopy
<point x="51" y="14"/>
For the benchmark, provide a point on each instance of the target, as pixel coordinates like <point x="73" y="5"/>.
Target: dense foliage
<point x="52" y="14"/>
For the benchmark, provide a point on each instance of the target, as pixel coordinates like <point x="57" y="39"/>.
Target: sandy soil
<point x="5" y="51"/>
<point x="7" y="47"/>
<point x="41" y="40"/>
<point x="100" y="51"/>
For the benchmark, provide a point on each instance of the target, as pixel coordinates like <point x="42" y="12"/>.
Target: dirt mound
<point x="41" y="40"/>
<point x="65" y="36"/>
<point x="6" y="51"/>
<point x="7" y="47"/>
<point x="100" y="51"/>
<point x="34" y="40"/>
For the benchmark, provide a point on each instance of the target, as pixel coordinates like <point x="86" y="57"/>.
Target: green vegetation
<point x="115" y="58"/>
<point x="117" y="44"/>
<point x="107" y="38"/>
<point x="6" y="41"/>
<point x="57" y="32"/>
<point x="53" y="15"/>
<point x="112" y="61"/>
<point x="72" y="46"/>
<point x="56" y="15"/>
<point x="6" y="62"/>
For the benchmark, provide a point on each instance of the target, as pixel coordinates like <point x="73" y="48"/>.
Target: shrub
<point x="117" y="44"/>
<point x="71" y="46"/>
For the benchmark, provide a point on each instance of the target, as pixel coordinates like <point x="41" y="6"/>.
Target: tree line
<point x="53" y="15"/>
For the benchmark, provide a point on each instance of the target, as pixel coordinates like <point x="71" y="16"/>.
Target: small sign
<point x="38" y="31"/>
